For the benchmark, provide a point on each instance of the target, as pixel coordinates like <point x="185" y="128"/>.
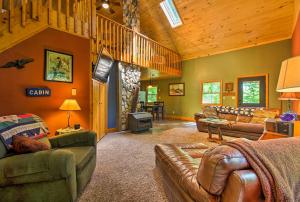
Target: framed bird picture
<point x="58" y="66"/>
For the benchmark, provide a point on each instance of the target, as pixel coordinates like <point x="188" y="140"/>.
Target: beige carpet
<point x="125" y="168"/>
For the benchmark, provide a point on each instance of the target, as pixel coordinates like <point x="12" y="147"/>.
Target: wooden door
<point x="99" y="109"/>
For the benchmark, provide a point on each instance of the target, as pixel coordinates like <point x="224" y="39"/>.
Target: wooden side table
<point x="62" y="131"/>
<point x="271" y="135"/>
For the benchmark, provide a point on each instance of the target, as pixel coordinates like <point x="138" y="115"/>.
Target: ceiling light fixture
<point x="105" y="5"/>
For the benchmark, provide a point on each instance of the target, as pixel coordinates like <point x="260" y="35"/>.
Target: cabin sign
<point x="38" y="92"/>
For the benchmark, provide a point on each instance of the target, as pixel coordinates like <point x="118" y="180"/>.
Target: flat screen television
<point x="102" y="68"/>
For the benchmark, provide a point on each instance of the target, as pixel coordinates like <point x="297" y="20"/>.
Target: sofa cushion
<point x="216" y="166"/>
<point x="248" y="127"/>
<point x="82" y="155"/>
<point x="243" y="118"/>
<point x="260" y="116"/>
<point x="36" y="167"/>
<point x="210" y="112"/>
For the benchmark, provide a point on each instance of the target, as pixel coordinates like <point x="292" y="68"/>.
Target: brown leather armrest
<point x="198" y="116"/>
<point x="243" y="186"/>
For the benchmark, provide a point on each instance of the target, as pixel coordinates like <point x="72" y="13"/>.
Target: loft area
<point x="138" y="100"/>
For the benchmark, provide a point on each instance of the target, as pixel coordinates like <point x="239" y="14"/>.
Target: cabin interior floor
<point x="125" y="168"/>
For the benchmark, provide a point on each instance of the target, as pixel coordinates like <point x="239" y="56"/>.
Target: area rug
<point x="125" y="169"/>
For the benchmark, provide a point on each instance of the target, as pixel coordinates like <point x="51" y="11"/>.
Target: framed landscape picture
<point x="58" y="66"/>
<point x="176" y="89"/>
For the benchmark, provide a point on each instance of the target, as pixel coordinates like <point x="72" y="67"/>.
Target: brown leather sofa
<point x="222" y="174"/>
<point x="241" y="125"/>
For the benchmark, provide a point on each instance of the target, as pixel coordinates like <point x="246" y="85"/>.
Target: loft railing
<point x="129" y="46"/>
<point x="20" y="19"/>
<point x="68" y="15"/>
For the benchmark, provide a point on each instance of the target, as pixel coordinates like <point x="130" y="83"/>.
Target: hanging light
<point x="105" y="4"/>
<point x="150" y="81"/>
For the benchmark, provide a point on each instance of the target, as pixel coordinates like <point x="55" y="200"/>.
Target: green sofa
<point x="56" y="175"/>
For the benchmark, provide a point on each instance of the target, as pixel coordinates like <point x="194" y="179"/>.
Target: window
<point x="252" y="91"/>
<point x="152" y="94"/>
<point x="211" y="92"/>
<point x="142" y="96"/>
<point x="170" y="11"/>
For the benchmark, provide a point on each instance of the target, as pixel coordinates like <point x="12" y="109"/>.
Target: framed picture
<point x="58" y="66"/>
<point x="229" y="87"/>
<point x="176" y="89"/>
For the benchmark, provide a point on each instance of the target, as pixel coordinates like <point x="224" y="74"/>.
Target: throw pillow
<point x="22" y="144"/>
<point x="265" y="114"/>
<point x="244" y="119"/>
<point x="230" y="117"/>
<point x="222" y="116"/>
<point x="210" y="112"/>
<point x="259" y="116"/>
<point x="45" y="140"/>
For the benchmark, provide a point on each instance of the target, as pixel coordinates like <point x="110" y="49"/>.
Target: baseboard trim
<point x="182" y="118"/>
<point x="112" y="130"/>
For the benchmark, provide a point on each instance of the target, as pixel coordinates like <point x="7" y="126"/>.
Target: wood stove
<point x="139" y="121"/>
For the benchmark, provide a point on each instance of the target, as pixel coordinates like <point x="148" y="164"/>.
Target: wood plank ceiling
<point x="216" y="26"/>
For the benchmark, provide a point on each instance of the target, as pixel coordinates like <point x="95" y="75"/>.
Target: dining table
<point x="155" y="110"/>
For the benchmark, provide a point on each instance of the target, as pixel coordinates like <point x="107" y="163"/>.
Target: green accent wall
<point x="264" y="59"/>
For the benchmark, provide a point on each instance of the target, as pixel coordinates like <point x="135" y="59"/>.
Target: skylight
<point x="171" y="13"/>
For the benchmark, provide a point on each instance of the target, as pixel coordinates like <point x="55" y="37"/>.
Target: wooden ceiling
<point x="117" y="16"/>
<point x="217" y="26"/>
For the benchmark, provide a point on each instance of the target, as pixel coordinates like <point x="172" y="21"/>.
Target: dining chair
<point x="159" y="111"/>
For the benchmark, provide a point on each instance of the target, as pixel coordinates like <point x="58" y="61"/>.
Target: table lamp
<point x="69" y="105"/>
<point x="289" y="76"/>
<point x="289" y="84"/>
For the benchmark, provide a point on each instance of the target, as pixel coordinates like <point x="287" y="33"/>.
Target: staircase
<point x="21" y="19"/>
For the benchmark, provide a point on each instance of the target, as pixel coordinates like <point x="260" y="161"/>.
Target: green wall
<point x="265" y="59"/>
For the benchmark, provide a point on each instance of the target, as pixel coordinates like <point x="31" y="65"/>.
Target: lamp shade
<point x="70" y="105"/>
<point x="288" y="96"/>
<point x="289" y="80"/>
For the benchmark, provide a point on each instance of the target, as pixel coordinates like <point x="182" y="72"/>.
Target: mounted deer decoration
<point x="19" y="64"/>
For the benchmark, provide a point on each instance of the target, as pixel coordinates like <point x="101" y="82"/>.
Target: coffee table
<point x="215" y="123"/>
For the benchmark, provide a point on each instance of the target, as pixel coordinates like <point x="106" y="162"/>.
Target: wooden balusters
<point x="34" y="7"/>
<point x="129" y="46"/>
<point x="59" y="13"/>
<point x="11" y="10"/>
<point x="1" y="17"/>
